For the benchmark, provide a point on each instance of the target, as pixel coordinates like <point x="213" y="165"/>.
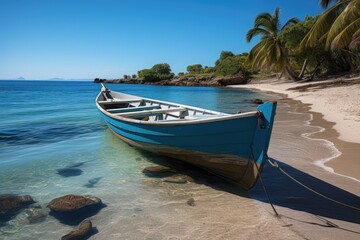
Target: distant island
<point x="186" y="80"/>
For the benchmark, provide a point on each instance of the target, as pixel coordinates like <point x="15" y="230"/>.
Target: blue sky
<point x="78" y="39"/>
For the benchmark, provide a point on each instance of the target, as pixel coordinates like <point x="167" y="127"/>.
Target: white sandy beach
<point x="339" y="104"/>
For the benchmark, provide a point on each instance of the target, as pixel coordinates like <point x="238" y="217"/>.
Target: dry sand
<point x="337" y="99"/>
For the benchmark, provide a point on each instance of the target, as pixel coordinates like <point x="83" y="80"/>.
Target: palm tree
<point x="338" y="26"/>
<point x="325" y="3"/>
<point x="269" y="53"/>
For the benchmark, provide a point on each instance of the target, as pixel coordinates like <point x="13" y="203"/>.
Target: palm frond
<point x="326" y="3"/>
<point x="344" y="38"/>
<point x="356" y="34"/>
<point x="276" y="21"/>
<point x="350" y="14"/>
<point x="322" y="25"/>
<point x="290" y="22"/>
<point x="258" y="55"/>
<point x="354" y="45"/>
<point x="254" y="53"/>
<point x="264" y="20"/>
<point x="262" y="17"/>
<point x="256" y="31"/>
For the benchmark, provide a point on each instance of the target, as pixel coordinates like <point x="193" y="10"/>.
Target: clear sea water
<point x="49" y="125"/>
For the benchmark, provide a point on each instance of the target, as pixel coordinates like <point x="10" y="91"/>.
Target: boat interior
<point x="145" y="109"/>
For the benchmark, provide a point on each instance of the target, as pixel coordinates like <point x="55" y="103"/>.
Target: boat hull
<point x="229" y="148"/>
<point x="235" y="169"/>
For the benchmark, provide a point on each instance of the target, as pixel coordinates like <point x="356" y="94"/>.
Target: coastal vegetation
<point x="325" y="44"/>
<point x="270" y="53"/>
<point x="230" y="68"/>
<point x="158" y="72"/>
<point x="328" y="43"/>
<point x="338" y="31"/>
<point x="338" y="27"/>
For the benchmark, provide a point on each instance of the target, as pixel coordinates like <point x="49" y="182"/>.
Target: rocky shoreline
<point x="210" y="81"/>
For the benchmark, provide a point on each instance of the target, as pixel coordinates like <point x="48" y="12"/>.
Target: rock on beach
<point x="10" y="204"/>
<point x="81" y="232"/>
<point x="70" y="203"/>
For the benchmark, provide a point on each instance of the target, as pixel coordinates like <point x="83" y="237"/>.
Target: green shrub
<point x="158" y="72"/>
<point x="196" y="68"/>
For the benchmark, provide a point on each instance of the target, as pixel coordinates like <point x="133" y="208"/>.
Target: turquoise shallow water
<point x="46" y="126"/>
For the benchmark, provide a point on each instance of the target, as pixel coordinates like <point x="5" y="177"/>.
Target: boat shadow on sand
<point x="286" y="193"/>
<point x="283" y="191"/>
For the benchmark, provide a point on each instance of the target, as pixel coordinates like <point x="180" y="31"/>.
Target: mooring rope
<point x="266" y="193"/>
<point x="276" y="165"/>
<point x="262" y="182"/>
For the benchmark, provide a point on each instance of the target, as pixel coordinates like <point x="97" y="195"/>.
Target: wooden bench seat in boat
<point x="150" y="112"/>
<point x="116" y="101"/>
<point x="194" y="117"/>
<point x="133" y="109"/>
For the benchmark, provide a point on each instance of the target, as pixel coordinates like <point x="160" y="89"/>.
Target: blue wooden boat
<point x="228" y="145"/>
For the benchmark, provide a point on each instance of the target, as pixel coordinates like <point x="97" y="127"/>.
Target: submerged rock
<point x="258" y="101"/>
<point x="10" y="204"/>
<point x="191" y="202"/>
<point x="70" y="203"/>
<point x="92" y="182"/>
<point x="175" y="179"/>
<point x="158" y="169"/>
<point x="81" y="232"/>
<point x="35" y="215"/>
<point x="69" y="172"/>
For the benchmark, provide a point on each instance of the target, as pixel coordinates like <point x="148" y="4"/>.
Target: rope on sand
<point x="263" y="186"/>
<point x="262" y="183"/>
<point x="276" y="165"/>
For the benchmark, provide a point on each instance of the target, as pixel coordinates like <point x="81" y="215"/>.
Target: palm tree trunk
<point x="281" y="74"/>
<point x="290" y="74"/>
<point x="301" y="75"/>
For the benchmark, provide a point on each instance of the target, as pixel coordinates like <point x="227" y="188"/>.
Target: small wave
<point x="335" y="153"/>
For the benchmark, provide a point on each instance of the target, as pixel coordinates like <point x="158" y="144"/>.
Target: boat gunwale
<point x="218" y="116"/>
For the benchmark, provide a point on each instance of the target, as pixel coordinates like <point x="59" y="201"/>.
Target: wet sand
<point x="347" y="163"/>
